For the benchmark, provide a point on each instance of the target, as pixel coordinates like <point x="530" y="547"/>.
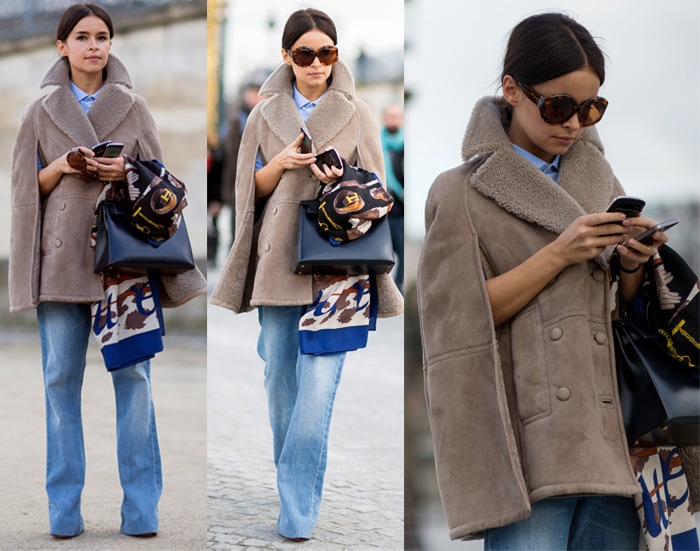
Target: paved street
<point x="179" y="388"/>
<point x="362" y="504"/>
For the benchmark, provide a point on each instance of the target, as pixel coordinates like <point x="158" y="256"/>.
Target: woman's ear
<point x="511" y="90"/>
<point x="286" y="57"/>
<point x="62" y="48"/>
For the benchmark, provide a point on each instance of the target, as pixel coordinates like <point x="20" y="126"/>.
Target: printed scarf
<point x="128" y="321"/>
<point x="664" y="506"/>
<point x="340" y="318"/>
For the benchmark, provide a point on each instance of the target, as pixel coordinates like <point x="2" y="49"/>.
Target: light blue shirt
<point x="550" y="169"/>
<point x="85" y="100"/>
<point x="305" y="108"/>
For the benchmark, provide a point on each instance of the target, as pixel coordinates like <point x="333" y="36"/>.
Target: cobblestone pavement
<point x="179" y="392"/>
<point x="362" y="504"/>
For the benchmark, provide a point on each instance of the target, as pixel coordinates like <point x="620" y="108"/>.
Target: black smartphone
<point x="330" y="158"/>
<point x="646" y="238"/>
<point x="99" y="149"/>
<point x="630" y="206"/>
<point x="305" y="142"/>
<point x="112" y="150"/>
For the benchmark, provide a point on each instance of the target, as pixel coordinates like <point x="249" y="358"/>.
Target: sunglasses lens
<point x="328" y="56"/>
<point x="592" y="111"/>
<point x="303" y="57"/>
<point x="558" y="109"/>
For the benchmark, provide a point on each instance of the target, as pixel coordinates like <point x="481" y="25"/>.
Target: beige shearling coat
<point x="259" y="270"/>
<point x="528" y="410"/>
<point x="50" y="254"/>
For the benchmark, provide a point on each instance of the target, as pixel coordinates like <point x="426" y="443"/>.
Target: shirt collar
<point x="550" y="169"/>
<point x="302" y="102"/>
<point x="79" y="94"/>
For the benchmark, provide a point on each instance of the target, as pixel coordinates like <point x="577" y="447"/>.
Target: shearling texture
<point x="260" y="267"/>
<point x="528" y="410"/>
<point x="50" y="254"/>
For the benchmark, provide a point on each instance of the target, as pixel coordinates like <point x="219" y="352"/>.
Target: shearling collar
<point x="586" y="181"/>
<point x="110" y="107"/>
<point x="327" y="119"/>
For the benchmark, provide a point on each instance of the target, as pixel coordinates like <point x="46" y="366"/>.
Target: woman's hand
<point x="267" y="178"/>
<point x="49" y="176"/>
<point x="633" y="253"/>
<point x="329" y="174"/>
<point x="584" y="239"/>
<point x="290" y="157"/>
<point x="109" y="169"/>
<point x="588" y="236"/>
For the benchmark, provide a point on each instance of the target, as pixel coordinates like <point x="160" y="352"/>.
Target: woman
<point x="519" y="361"/>
<point x="311" y="88"/>
<point x="51" y="262"/>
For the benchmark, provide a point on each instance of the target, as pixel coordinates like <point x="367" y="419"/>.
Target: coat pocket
<point x="529" y="370"/>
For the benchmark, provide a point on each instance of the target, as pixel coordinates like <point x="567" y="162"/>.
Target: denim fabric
<point x="574" y="523"/>
<point x="64" y="329"/>
<point x="300" y="391"/>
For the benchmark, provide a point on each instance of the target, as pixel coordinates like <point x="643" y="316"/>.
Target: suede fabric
<point x="528" y="410"/>
<point x="50" y="254"/>
<point x="259" y="270"/>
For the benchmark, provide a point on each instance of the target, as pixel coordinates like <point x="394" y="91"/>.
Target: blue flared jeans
<point x="64" y="329"/>
<point x="300" y="389"/>
<point x="585" y="523"/>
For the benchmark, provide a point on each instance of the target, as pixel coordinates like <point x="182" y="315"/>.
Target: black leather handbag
<point x="370" y="254"/>
<point x="659" y="396"/>
<point x="118" y="245"/>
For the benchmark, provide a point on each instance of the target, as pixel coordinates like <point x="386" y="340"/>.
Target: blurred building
<point x="163" y="44"/>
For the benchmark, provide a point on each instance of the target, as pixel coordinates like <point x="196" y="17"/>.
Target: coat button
<point x="563" y="394"/>
<point x="62" y="206"/>
<point x="58" y="243"/>
<point x="267" y="247"/>
<point x="600" y="337"/>
<point x="555" y="334"/>
<point x="598" y="275"/>
<point x="274" y="211"/>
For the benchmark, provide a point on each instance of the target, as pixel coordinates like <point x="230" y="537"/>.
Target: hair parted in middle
<point x="303" y="21"/>
<point x="546" y="46"/>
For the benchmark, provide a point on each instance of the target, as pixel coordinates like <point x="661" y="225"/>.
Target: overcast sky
<point x="651" y="130"/>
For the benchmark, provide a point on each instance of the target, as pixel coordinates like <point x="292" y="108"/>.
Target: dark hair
<point x="549" y="45"/>
<point x="75" y="13"/>
<point x="303" y="21"/>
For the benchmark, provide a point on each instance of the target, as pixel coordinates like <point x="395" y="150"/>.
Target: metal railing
<point x="31" y="20"/>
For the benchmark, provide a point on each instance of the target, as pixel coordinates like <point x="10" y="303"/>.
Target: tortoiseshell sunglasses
<point x="304" y="56"/>
<point x="559" y="109"/>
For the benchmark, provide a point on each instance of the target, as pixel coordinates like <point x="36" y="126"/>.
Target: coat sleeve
<point x="234" y="288"/>
<point x="148" y="140"/>
<point x="25" y="223"/>
<point x="369" y="148"/>
<point x="472" y="434"/>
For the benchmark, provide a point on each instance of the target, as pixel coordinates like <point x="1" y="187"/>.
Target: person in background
<point x="392" y="145"/>
<point x="214" y="169"/>
<point x="224" y="159"/>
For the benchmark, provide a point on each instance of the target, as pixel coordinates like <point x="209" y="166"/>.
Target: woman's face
<point x="311" y="79"/>
<point x="87" y="46"/>
<point x="527" y="128"/>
